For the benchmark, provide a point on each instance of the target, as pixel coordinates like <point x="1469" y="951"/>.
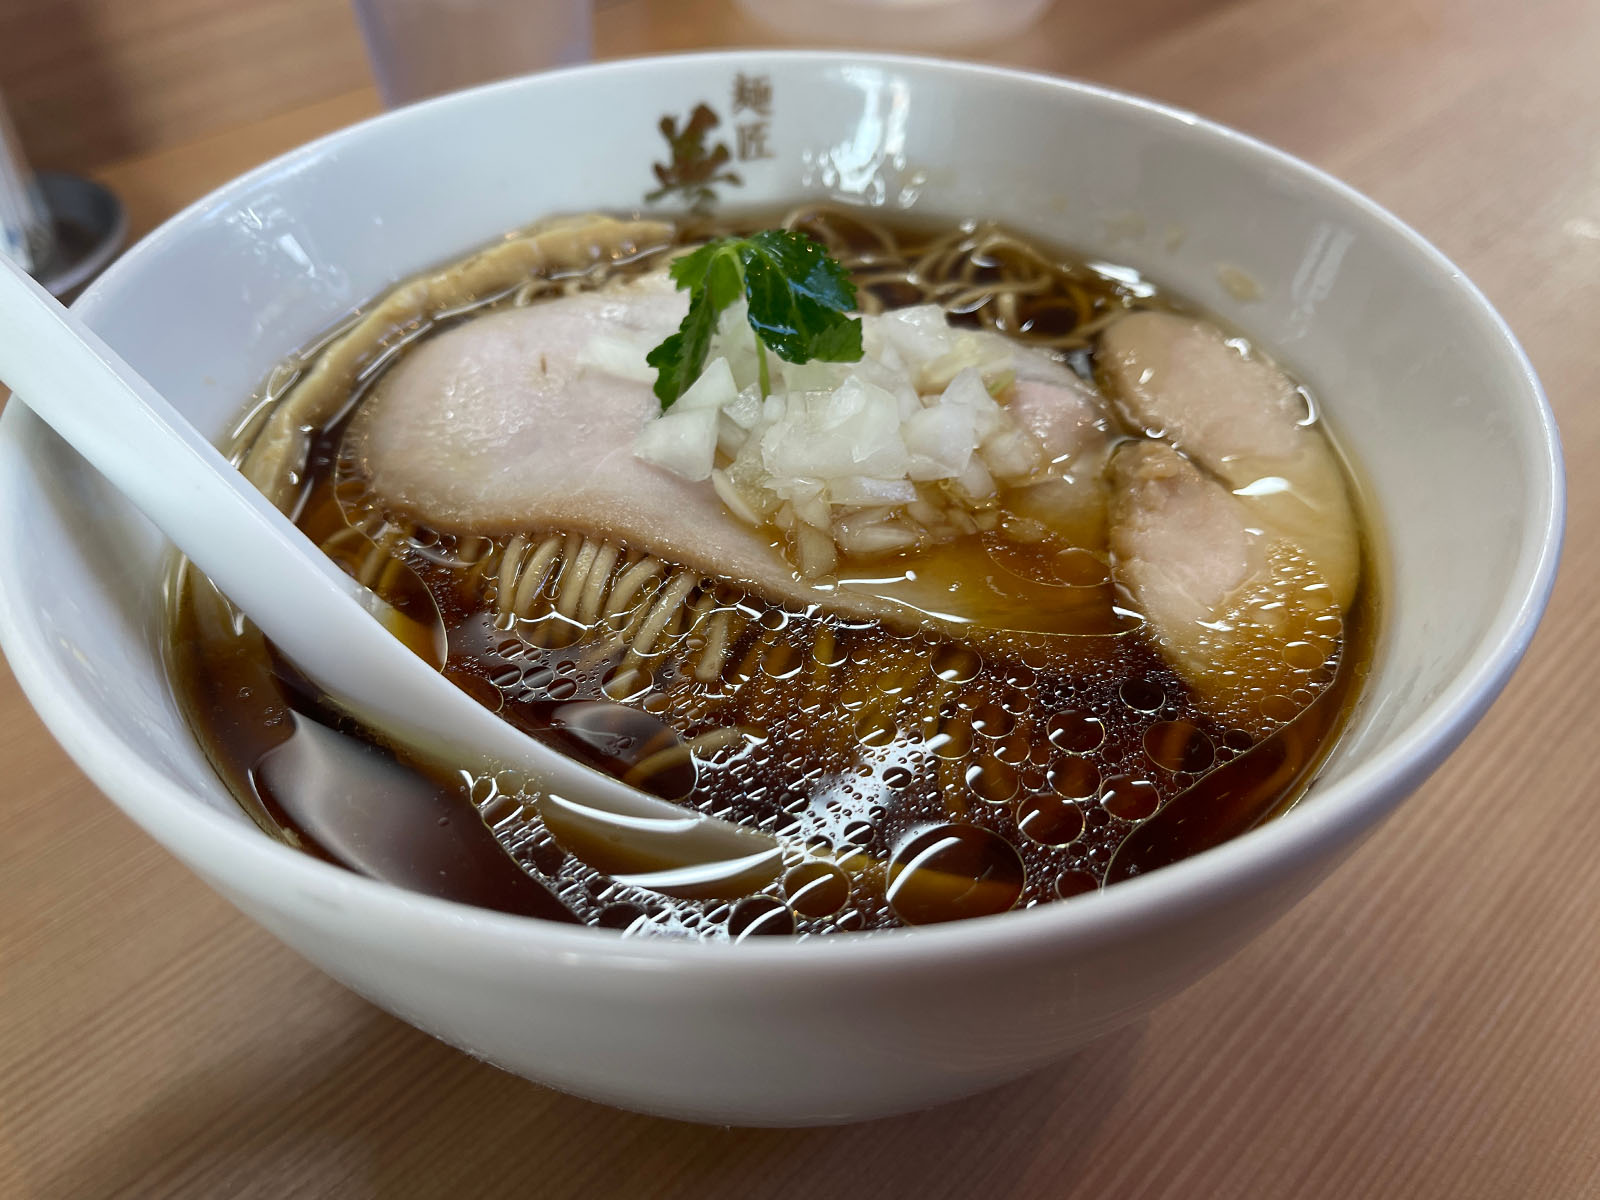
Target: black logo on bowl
<point x="698" y="164"/>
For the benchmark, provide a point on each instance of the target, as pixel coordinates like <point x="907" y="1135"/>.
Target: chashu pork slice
<point x="499" y="426"/>
<point x="1243" y="421"/>
<point x="1069" y="419"/>
<point x="1242" y="617"/>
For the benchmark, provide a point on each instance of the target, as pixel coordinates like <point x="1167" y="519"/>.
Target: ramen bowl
<point x="1420" y="379"/>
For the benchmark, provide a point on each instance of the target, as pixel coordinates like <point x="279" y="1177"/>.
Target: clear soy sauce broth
<point x="911" y="778"/>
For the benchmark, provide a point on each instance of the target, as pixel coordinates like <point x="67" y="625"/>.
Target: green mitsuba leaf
<point x="799" y="298"/>
<point x="839" y="342"/>
<point x="711" y="274"/>
<point x="811" y="273"/>
<point x="799" y="301"/>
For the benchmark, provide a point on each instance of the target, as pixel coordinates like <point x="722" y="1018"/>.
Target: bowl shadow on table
<point x="383" y="1111"/>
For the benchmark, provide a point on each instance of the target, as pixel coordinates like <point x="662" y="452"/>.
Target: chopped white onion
<point x="730" y="438"/>
<point x="866" y="458"/>
<point x="944" y="436"/>
<point x="813" y="510"/>
<point x="971" y="352"/>
<point x="1012" y="453"/>
<point x="735" y="342"/>
<point x="713" y="389"/>
<point x="877" y="536"/>
<point x="967" y="390"/>
<point x="815" y="552"/>
<point x="863" y="489"/>
<point x="617" y="356"/>
<point x="814" y="376"/>
<point x="746" y="474"/>
<point x="728" y="492"/>
<point x="917" y="334"/>
<point x="975" y="482"/>
<point x="684" y="443"/>
<point x="852" y="431"/>
<point x="744" y="410"/>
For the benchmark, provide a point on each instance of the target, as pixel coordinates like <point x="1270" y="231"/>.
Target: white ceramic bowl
<point x="1421" y="379"/>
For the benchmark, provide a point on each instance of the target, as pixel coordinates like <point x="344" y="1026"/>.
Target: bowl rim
<point x="181" y="820"/>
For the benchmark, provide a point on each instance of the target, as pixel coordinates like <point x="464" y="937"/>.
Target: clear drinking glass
<point x="905" y="24"/>
<point x="420" y="48"/>
<point x="25" y="233"/>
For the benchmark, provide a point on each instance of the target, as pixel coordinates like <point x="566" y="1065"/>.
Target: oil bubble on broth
<point x="916" y="764"/>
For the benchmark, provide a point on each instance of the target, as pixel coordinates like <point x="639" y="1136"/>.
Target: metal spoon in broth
<point x="312" y="611"/>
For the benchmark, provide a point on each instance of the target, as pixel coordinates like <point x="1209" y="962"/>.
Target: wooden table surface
<point x="1426" y="1024"/>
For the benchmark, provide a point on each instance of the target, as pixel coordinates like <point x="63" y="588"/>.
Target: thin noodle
<point x="715" y="652"/>
<point x="630" y="582"/>
<point x="594" y="591"/>
<point x="510" y="562"/>
<point x="575" y="575"/>
<point x="666" y="607"/>
<point x="533" y="576"/>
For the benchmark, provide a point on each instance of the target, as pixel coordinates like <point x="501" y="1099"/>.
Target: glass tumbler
<point x="25" y="231"/>
<point x="420" y="48"/>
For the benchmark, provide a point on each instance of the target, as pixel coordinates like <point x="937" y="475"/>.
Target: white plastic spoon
<point x="318" y="616"/>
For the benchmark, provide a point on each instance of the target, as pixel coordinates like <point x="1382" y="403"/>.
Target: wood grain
<point x="1422" y="1026"/>
<point x="91" y="80"/>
